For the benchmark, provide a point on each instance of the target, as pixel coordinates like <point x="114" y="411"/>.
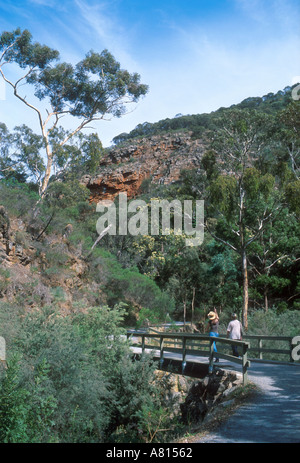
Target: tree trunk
<point x="245" y="290"/>
<point x="47" y="175"/>
<point x="266" y="299"/>
<point x="184" y="311"/>
<point x="193" y="304"/>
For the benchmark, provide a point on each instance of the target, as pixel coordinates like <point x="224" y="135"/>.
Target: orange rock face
<point x="160" y="158"/>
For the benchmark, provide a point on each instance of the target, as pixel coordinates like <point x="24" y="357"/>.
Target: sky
<point x="195" y="55"/>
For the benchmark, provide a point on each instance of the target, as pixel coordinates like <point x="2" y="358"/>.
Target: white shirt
<point x="235" y="329"/>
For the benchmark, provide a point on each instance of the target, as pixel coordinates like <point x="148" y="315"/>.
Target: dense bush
<point x="72" y="379"/>
<point x="129" y="285"/>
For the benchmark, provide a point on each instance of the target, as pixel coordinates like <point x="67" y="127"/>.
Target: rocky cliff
<point x="159" y="158"/>
<point x="28" y="273"/>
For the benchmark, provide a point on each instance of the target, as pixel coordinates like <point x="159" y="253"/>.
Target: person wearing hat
<point x="235" y="331"/>
<point x="213" y="321"/>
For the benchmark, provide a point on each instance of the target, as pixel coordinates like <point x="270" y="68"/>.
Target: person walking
<point x="235" y="331"/>
<point x="213" y="321"/>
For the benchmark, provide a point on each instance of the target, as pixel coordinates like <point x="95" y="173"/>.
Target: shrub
<point x="273" y="323"/>
<point x="26" y="411"/>
<point x="128" y="285"/>
<point x="72" y="378"/>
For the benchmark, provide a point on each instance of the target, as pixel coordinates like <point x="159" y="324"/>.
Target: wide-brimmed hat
<point x="212" y="315"/>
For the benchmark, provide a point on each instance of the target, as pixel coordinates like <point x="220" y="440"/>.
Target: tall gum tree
<point x="241" y="198"/>
<point x="94" y="89"/>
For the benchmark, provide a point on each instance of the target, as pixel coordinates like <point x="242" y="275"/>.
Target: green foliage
<point x="94" y="87"/>
<point x="17" y="198"/>
<point x="4" y="277"/>
<point x="129" y="285"/>
<point x="13" y="406"/>
<point x="125" y="402"/>
<point x="26" y="411"/>
<point x="292" y="192"/>
<point x="223" y="192"/>
<point x="153" y="422"/>
<point x="73" y="379"/>
<point x="65" y="194"/>
<point x="272" y="323"/>
<point x="209" y="162"/>
<point x="27" y="147"/>
<point x="18" y="48"/>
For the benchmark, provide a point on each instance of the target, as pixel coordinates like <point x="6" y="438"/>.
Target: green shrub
<point x="128" y="285"/>
<point x="72" y="378"/>
<point x="273" y="323"/>
<point x="26" y="411"/>
<point x="17" y="198"/>
<point x="13" y="406"/>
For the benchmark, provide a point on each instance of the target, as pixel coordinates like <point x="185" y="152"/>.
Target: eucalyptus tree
<point x="289" y="119"/>
<point x="96" y="88"/>
<point x="274" y="259"/>
<point x="289" y="122"/>
<point x="241" y="198"/>
<point x="10" y="167"/>
<point x="6" y="163"/>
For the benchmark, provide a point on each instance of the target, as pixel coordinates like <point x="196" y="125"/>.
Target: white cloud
<point x="105" y="30"/>
<point x="282" y="14"/>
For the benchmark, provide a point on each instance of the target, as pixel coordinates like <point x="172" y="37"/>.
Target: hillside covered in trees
<point x="199" y="123"/>
<point x="63" y="294"/>
<point x="248" y="178"/>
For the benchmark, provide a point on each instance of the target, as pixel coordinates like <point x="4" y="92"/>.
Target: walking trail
<point x="272" y="416"/>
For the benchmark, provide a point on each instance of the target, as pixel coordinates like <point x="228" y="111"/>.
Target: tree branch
<point x="220" y="239"/>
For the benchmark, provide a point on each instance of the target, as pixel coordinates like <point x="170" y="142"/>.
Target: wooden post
<point x="161" y="348"/>
<point x="183" y="353"/>
<point x="211" y="355"/>
<point x="143" y="343"/>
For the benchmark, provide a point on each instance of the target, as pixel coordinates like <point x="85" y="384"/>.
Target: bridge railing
<point x="271" y="348"/>
<point x="266" y="348"/>
<point x="184" y="344"/>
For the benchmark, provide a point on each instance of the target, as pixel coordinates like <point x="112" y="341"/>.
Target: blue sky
<point x="195" y="55"/>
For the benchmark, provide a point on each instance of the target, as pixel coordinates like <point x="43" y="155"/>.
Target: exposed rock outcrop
<point x="194" y="400"/>
<point x="28" y="274"/>
<point x="207" y="393"/>
<point x="161" y="158"/>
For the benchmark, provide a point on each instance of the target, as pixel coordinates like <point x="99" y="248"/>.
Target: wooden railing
<point x="265" y="348"/>
<point x="260" y="341"/>
<point x="196" y="345"/>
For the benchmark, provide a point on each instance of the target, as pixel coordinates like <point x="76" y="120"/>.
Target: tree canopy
<point x="95" y="88"/>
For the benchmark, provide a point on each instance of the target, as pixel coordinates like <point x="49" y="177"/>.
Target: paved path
<point x="272" y="416"/>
